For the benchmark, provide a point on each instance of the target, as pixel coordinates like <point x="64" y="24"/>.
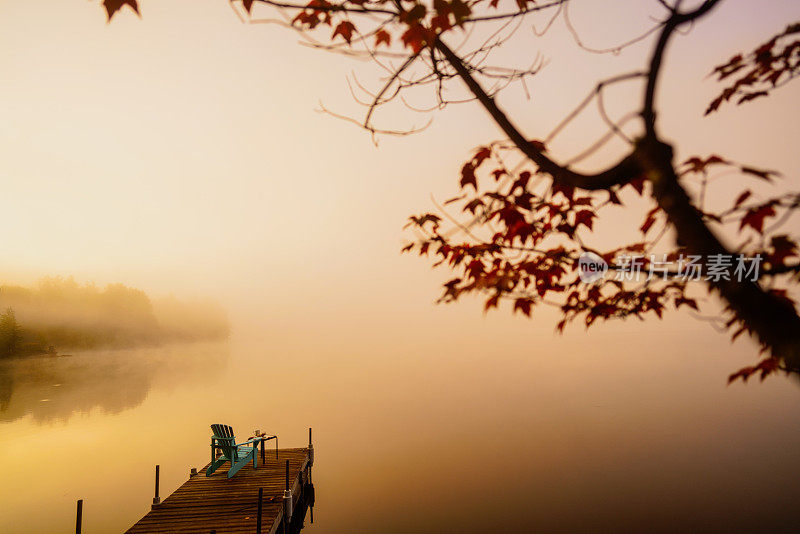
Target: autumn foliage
<point x="521" y="221"/>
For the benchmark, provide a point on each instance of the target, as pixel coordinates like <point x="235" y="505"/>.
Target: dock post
<point x="260" y="499"/>
<point x="287" y="499"/>
<point x="156" y="499"/>
<point x="79" y="518"/>
<point x="310" y="449"/>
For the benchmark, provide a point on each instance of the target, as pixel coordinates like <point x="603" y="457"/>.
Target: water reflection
<point x="303" y="508"/>
<point x="415" y="436"/>
<point x="54" y="388"/>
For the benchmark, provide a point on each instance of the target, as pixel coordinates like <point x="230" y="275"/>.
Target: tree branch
<point x="626" y="170"/>
<point x="675" y="20"/>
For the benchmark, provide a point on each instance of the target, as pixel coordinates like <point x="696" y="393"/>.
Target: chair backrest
<point x="225" y="439"/>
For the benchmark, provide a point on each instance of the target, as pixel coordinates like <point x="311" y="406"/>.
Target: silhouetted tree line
<point x="9" y="333"/>
<point x="59" y="313"/>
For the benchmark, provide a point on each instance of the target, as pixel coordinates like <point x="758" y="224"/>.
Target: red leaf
<point x="345" y="29"/>
<point x="751" y="96"/>
<point x="415" y="38"/>
<point x="441" y="22"/>
<point x="422" y="220"/>
<point x="649" y="220"/>
<point x="472" y="205"/>
<point x="783" y="248"/>
<point x="414" y="14"/>
<point x="523" y="305"/>
<point x="468" y="176"/>
<point x="492" y="302"/>
<point x="696" y="164"/>
<point x="112" y="6"/>
<point x="522" y="181"/>
<point x="523" y="200"/>
<point x="764" y="175"/>
<point x="475" y="268"/>
<point x="460" y="10"/>
<point x="567" y="229"/>
<point x="765" y="367"/>
<point x="481" y="155"/>
<point x="538" y="145"/>
<point x="566" y="190"/>
<point x="584" y="217"/>
<point x="638" y="185"/>
<point x="755" y="217"/>
<point x="714" y="105"/>
<point x="382" y="36"/>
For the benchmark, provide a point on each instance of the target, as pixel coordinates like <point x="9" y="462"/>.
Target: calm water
<point x="468" y="442"/>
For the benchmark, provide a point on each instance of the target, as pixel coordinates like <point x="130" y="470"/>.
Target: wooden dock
<point x="230" y="505"/>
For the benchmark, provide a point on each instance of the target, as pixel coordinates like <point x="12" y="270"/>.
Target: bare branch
<point x="627" y="169"/>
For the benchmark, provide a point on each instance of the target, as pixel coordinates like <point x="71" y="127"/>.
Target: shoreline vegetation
<point x="61" y="314"/>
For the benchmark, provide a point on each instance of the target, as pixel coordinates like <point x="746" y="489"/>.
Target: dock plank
<point x="203" y="504"/>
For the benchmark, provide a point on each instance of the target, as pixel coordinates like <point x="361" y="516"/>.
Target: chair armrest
<point x="251" y="440"/>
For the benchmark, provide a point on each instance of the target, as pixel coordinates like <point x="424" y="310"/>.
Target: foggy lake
<point x="489" y="446"/>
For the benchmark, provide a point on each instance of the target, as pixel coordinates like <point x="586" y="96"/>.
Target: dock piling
<point x="79" y="518"/>
<point x="310" y="448"/>
<point x="287" y="498"/>
<point x="156" y="499"/>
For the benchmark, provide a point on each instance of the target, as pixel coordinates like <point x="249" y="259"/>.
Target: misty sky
<point x="183" y="153"/>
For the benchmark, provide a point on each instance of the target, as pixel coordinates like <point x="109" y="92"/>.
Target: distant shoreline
<point x="60" y="315"/>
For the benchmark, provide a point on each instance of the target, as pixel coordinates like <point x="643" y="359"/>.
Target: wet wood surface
<point x="228" y="505"/>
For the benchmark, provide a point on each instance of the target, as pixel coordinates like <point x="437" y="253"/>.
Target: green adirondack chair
<point x="237" y="454"/>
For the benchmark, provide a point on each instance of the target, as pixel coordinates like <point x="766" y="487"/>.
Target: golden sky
<point x="183" y="152"/>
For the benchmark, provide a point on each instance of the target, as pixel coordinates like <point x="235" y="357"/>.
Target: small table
<point x="263" y="438"/>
